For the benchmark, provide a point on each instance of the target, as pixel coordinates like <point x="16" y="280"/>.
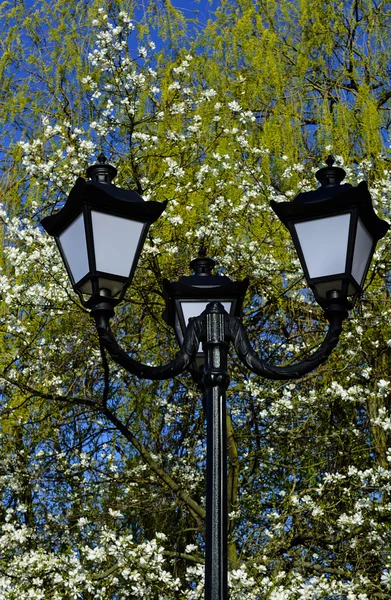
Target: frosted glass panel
<point x="324" y="244"/>
<point x="194" y="309"/>
<point x="74" y="247"/>
<point x="362" y="250"/>
<point x="116" y="241"/>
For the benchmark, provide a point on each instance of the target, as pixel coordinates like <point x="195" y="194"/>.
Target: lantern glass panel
<point x="74" y="247"/>
<point x="324" y="243"/>
<point x="116" y="241"/>
<point x="362" y="250"/>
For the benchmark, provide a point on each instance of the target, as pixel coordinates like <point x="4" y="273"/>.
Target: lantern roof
<point x="202" y="285"/>
<point x="102" y="195"/>
<point x="332" y="198"/>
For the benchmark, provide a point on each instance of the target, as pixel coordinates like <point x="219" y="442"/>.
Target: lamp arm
<point x="335" y="314"/>
<point x="179" y="364"/>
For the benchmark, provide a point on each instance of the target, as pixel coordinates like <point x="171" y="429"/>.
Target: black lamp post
<point x="100" y="232"/>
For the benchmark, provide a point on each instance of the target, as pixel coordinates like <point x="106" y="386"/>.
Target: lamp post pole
<point x="335" y="230"/>
<point x="216" y="381"/>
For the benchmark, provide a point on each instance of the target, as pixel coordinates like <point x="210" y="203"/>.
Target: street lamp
<point x="100" y="232"/>
<point x="335" y="231"/>
<point x="189" y="296"/>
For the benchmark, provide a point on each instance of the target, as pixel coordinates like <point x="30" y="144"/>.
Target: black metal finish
<point x="333" y="199"/>
<point x="104" y="197"/>
<point x="104" y="311"/>
<point x="202" y="286"/>
<point x="99" y="194"/>
<point x="102" y="171"/>
<point x="216" y="329"/>
<point x="330" y="175"/>
<point x="216" y="381"/>
<point x="335" y="313"/>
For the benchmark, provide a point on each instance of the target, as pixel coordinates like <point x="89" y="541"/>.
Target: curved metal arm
<point x="102" y="314"/>
<point x="335" y="314"/>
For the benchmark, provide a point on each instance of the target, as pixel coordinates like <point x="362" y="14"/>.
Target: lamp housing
<point x="335" y="231"/>
<point x="100" y="232"/>
<point x="189" y="296"/>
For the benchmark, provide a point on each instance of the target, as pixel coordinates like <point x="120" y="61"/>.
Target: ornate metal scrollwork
<point x="335" y="313"/>
<point x="234" y="332"/>
<point x="180" y="363"/>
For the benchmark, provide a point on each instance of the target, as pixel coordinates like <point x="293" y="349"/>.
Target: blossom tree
<point x="102" y="475"/>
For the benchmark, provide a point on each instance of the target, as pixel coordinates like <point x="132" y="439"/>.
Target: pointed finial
<point x="102" y="171"/>
<point x="202" y="251"/>
<point x="330" y="160"/>
<point x="102" y="159"/>
<point x="330" y="175"/>
<point x="202" y="265"/>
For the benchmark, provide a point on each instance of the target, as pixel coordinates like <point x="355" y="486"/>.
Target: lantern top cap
<point x="105" y="197"/>
<point x="330" y="175"/>
<point x="203" y="264"/>
<point x="102" y="171"/>
<point x="202" y="286"/>
<point x="332" y="198"/>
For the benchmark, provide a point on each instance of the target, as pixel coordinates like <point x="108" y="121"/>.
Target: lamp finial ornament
<point x="102" y="159"/>
<point x="330" y="160"/>
<point x="330" y="175"/>
<point x="102" y="171"/>
<point x="203" y="264"/>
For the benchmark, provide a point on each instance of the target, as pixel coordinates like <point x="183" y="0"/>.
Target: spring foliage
<point x="102" y="476"/>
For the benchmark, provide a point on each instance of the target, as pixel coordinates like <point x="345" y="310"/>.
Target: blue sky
<point x="192" y="9"/>
<point x="202" y="8"/>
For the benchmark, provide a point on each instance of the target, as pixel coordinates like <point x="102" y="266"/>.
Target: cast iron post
<point x="216" y="381"/>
